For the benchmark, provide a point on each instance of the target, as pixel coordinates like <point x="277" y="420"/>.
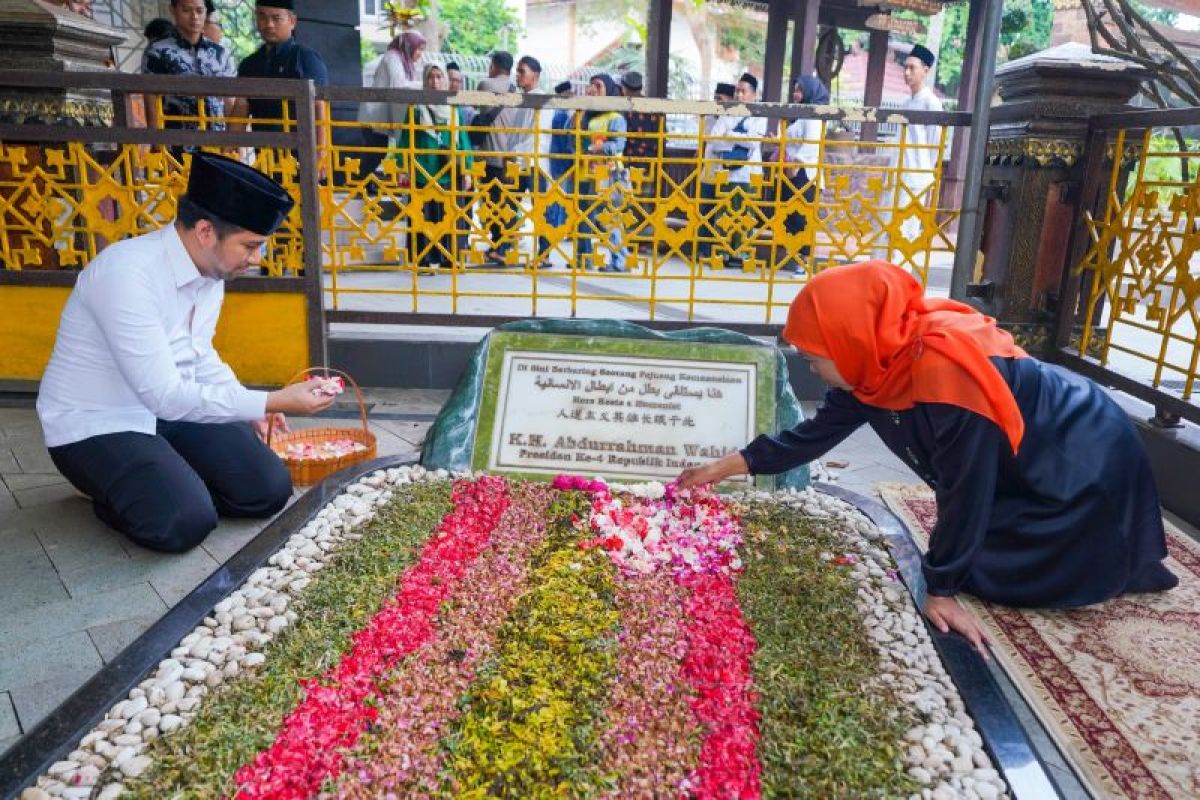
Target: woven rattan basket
<point x="307" y="471"/>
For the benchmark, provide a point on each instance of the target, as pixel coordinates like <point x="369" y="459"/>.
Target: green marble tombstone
<point x="612" y="399"/>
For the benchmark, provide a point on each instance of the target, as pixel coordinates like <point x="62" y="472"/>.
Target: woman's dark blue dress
<point x="1072" y="519"/>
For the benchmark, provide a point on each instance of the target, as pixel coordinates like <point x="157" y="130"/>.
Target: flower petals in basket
<point x="312" y="454"/>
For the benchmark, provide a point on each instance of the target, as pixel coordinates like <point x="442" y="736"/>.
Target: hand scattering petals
<point x="328" y="387"/>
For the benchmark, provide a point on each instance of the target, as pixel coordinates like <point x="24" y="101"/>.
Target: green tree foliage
<point x="237" y="23"/>
<point x="477" y="26"/>
<point x="630" y="55"/>
<point x="745" y="35"/>
<point x="1160" y="16"/>
<point x="1024" y="29"/>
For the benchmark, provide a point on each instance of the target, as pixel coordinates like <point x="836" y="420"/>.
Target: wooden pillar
<point x="956" y="171"/>
<point x="804" y="38"/>
<point x="1036" y="150"/>
<point x="658" y="48"/>
<point x="877" y="58"/>
<point x="777" y="21"/>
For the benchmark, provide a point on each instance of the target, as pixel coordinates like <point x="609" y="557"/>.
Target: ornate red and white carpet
<point x="1117" y="684"/>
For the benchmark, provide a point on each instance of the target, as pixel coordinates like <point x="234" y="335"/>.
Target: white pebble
<point x="135" y="766"/>
<point x="987" y="791"/>
<point x="86" y="776"/>
<point x="134" y="707"/>
<point x="920" y="774"/>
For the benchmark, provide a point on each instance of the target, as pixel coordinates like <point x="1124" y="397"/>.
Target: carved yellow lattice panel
<point x="1142" y="271"/>
<point x="61" y="204"/>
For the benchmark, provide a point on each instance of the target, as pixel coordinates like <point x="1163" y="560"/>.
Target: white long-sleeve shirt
<point x="803" y="147"/>
<point x="135" y="345"/>
<point x="921" y="153"/>
<point x="749" y="133"/>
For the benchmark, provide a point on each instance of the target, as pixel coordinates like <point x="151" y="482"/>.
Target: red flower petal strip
<point x="717" y="666"/>
<point x="420" y="699"/>
<point x="334" y="712"/>
<point x="652" y="739"/>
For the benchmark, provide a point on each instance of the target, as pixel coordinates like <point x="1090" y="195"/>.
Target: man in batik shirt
<point x="188" y="52"/>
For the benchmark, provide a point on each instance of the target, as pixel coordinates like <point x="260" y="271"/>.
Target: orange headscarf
<point x="897" y="347"/>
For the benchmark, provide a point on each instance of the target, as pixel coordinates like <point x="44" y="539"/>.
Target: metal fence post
<point x="969" y="226"/>
<point x="310" y="219"/>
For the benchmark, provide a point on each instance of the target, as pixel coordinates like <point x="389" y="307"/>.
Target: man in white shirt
<point x="715" y="129"/>
<point x="517" y="131"/>
<point x="921" y="153"/>
<point x="139" y="411"/>
<point x="743" y="158"/>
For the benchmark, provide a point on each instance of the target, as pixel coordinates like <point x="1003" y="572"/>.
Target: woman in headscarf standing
<point x="1044" y="492"/>
<point x="603" y="181"/>
<point x="801" y="169"/>
<point x="399" y="68"/>
<point x="440" y="154"/>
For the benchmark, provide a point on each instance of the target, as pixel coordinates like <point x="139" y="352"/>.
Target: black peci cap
<point x="237" y="194"/>
<point x="726" y="89"/>
<point x="564" y="88"/>
<point x="287" y="5"/>
<point x="921" y="53"/>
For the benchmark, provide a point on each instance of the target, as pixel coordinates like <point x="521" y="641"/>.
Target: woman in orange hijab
<point x="1045" y="495"/>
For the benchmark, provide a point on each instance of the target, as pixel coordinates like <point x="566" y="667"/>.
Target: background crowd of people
<point x="596" y="159"/>
<point x="599" y="159"/>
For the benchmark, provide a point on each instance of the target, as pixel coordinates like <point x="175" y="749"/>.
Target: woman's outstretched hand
<point x="713" y="472"/>
<point x="946" y="614"/>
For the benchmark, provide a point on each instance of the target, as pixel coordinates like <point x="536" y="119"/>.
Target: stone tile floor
<point x="74" y="593"/>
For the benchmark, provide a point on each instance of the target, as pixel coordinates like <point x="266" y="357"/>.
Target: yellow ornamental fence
<point x="689" y="220"/>
<point x="711" y="212"/>
<point x="1140" y="298"/>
